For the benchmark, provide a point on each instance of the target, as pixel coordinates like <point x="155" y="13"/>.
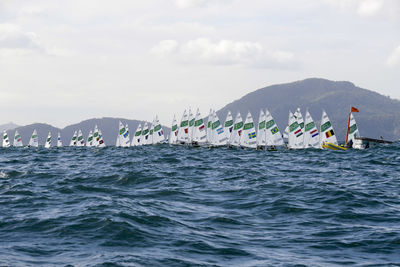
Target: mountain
<point x="108" y="126"/>
<point x="8" y="126"/>
<point x="379" y="115"/>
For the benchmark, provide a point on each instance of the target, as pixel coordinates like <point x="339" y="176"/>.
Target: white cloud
<point x="394" y="58"/>
<point x="12" y="37"/>
<point x="224" y="52"/>
<point x="190" y="3"/>
<point x="364" y="8"/>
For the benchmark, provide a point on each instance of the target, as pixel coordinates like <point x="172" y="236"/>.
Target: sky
<point x="62" y="62"/>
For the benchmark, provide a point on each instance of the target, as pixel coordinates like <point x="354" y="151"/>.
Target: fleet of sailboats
<point x="192" y="130"/>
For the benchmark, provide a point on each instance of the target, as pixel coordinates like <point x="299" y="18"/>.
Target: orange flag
<point x="353" y="109"/>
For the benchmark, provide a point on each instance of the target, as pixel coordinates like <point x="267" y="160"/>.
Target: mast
<point x="348" y="127"/>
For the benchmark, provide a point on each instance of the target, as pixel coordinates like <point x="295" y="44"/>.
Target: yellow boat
<point x="327" y="145"/>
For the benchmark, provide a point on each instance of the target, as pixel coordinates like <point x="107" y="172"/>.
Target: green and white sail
<point x="261" y="130"/>
<point x="296" y="138"/>
<point x="353" y="129"/>
<point x="199" y="130"/>
<point x="48" y="141"/>
<point x="218" y="135"/>
<point x="101" y="141"/>
<point x="17" y="139"/>
<point x="228" y="125"/>
<point x="183" y="131"/>
<point x="6" y="140"/>
<point x="158" y="132"/>
<point x="96" y="137"/>
<point x="327" y="132"/>
<point x="248" y="137"/>
<point x="311" y="134"/>
<point x="136" y="137"/>
<point x="273" y="135"/>
<point x="237" y="131"/>
<point x="89" y="141"/>
<point x="191" y="120"/>
<point x="80" y="141"/>
<point x="173" y="136"/>
<point x="59" y="141"/>
<point x="34" y="141"/>
<point x="209" y="126"/>
<point x="123" y="135"/>
<point x="299" y="118"/>
<point x="145" y="134"/>
<point x="73" y="139"/>
<point x="151" y="131"/>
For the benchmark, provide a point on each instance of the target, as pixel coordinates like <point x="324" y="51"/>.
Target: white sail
<point x="228" y="125"/>
<point x="199" y="130"/>
<point x="80" y="141"/>
<point x="17" y="139"/>
<point x="286" y="133"/>
<point x="101" y="141"/>
<point x="311" y="134"/>
<point x="299" y="119"/>
<point x="209" y="126"/>
<point x="73" y="139"/>
<point x="353" y="129"/>
<point x="296" y="138"/>
<point x="151" y="130"/>
<point x="96" y="138"/>
<point x="237" y="131"/>
<point x="59" y="142"/>
<point x="48" y="141"/>
<point x="173" y="136"/>
<point x="191" y="120"/>
<point x="118" y="141"/>
<point x="183" y="131"/>
<point x="261" y="134"/>
<point x="89" y="142"/>
<point x="123" y="135"/>
<point x="158" y="132"/>
<point x="6" y="140"/>
<point x="273" y="135"/>
<point x="136" y="137"/>
<point x="145" y="134"/>
<point x="34" y="141"/>
<point x="217" y="132"/>
<point x="248" y="137"/>
<point x="327" y="132"/>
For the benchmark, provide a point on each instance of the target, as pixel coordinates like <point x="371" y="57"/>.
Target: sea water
<point x="180" y="206"/>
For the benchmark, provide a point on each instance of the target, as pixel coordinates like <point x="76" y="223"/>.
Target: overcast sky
<point x="65" y="61"/>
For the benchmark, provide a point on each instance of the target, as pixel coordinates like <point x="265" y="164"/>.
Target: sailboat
<point x="295" y="140"/>
<point x="173" y="136"/>
<point x="158" y="132"/>
<point x="273" y="136"/>
<point x="59" y="142"/>
<point x="261" y="134"/>
<point x="311" y="134"/>
<point x="199" y="130"/>
<point x="96" y="136"/>
<point x="299" y="119"/>
<point x="218" y="136"/>
<point x="6" y="141"/>
<point x="328" y="138"/>
<point x="34" y="141"/>
<point x="123" y="137"/>
<point x="126" y="138"/>
<point x="136" y="138"/>
<point x="48" y="141"/>
<point x="73" y="139"/>
<point x="209" y="126"/>
<point x="183" y="131"/>
<point x="248" y="139"/>
<point x="101" y="141"/>
<point x="17" y="139"/>
<point x="89" y="141"/>
<point x="145" y="134"/>
<point x="352" y="129"/>
<point x="237" y="131"/>
<point x="151" y="130"/>
<point x="191" y="120"/>
<point x="228" y="125"/>
<point x="80" y="141"/>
